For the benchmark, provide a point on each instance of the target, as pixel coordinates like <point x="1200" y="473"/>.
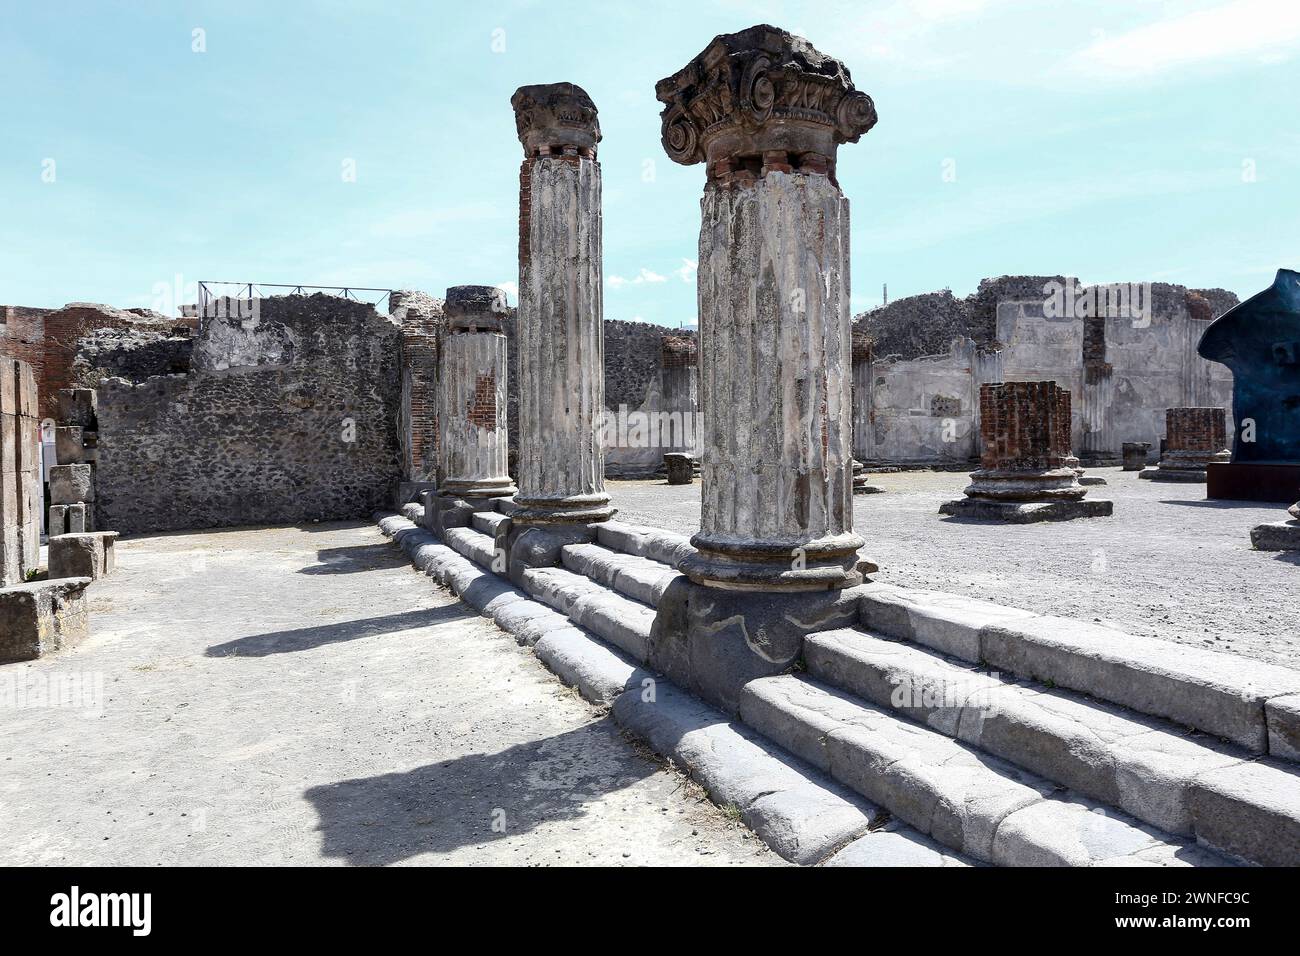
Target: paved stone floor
<point x="291" y="696"/>
<point x="1168" y="564"/>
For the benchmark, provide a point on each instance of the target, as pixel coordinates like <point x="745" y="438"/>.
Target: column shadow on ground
<point x="306" y="638"/>
<point x="444" y="806"/>
<point x="354" y="558"/>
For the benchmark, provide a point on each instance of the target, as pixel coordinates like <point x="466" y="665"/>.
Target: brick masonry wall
<point x="22" y="336"/>
<point x="1196" y="429"/>
<point x="292" y="418"/>
<point x="1024" y="426"/>
<point x="20" y="519"/>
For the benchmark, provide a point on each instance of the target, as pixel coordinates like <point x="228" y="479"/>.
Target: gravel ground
<point x="1168" y="564"/>
<point x="303" y="696"/>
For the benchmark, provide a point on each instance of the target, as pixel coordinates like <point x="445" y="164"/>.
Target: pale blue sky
<point x="1110" y="140"/>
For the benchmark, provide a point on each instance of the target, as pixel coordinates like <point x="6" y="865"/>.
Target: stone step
<point x="641" y="579"/>
<point x="1152" y="769"/>
<point x="621" y="621"/>
<point x="1250" y="703"/>
<point x="662" y="546"/>
<point x="487" y="522"/>
<point x="972" y="802"/>
<point x="475" y="545"/>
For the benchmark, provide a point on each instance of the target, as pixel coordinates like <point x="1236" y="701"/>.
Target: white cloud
<point x="641" y="278"/>
<point x="511" y="289"/>
<point x="1263" y="30"/>
<point x="687" y="272"/>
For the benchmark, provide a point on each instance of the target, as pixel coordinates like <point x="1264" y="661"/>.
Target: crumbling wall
<point x="20" y="519"/>
<point x="1122" y="370"/>
<point x="634" y="383"/>
<point x="131" y="353"/>
<point x="288" y="416"/>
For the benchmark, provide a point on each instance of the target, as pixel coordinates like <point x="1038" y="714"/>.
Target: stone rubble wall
<point x="289" y="417"/>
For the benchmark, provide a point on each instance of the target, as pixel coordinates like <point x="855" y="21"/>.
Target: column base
<point x="1026" y="512"/>
<point x="486" y="488"/>
<point x="1053" y="484"/>
<point x="443" y="510"/>
<point x="574" y="509"/>
<point x="713" y="642"/>
<point x="821" y="565"/>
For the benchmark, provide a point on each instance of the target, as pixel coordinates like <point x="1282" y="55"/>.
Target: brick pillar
<point x="1194" y="438"/>
<point x="560" y="320"/>
<point x="474" y="445"/>
<point x="1027" y="472"/>
<point x="766" y="114"/>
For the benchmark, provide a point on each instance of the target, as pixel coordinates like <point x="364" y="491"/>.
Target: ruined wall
<point x="22" y="337"/>
<point x="131" y="353"/>
<point x="1122" y="370"/>
<point x="634" y="378"/>
<point x="20" y="518"/>
<point x="290" y="416"/>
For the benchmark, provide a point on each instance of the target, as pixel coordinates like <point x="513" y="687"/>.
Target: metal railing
<point x="253" y="290"/>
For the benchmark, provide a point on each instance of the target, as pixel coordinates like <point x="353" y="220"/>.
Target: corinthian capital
<point x="761" y="99"/>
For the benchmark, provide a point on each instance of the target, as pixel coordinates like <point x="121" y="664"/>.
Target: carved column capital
<point x="761" y="100"/>
<point x="556" y="119"/>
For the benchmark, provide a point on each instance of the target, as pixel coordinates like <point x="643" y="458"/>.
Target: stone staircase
<point x="985" y="734"/>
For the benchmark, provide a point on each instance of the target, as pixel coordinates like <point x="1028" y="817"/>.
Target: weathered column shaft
<point x="474" y="442"/>
<point x="766" y="113"/>
<point x="560" y="331"/>
<point x="775" y="389"/>
<point x="863" y="372"/>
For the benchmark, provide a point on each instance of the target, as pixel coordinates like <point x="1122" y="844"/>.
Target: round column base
<point x="1054" y="484"/>
<point x="482" y="488"/>
<point x="573" y="509"/>
<point x="819" y="565"/>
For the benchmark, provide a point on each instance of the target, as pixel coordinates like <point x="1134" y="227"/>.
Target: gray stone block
<point x="599" y="673"/>
<point x="70" y="484"/>
<point x="1059" y="832"/>
<point x="89" y="555"/>
<point x="78" y="518"/>
<point x="894" y="846"/>
<point x="618" y="620"/>
<point x="1251" y="810"/>
<point x="69" y="445"/>
<point x="58" y="521"/>
<point x="948" y="623"/>
<point x="1282" y="714"/>
<point x="1276" y="536"/>
<point x="42" y="617"/>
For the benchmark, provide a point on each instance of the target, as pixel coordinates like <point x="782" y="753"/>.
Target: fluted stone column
<point x="474" y="447"/>
<point x="560" y="331"/>
<point x="766" y="113"/>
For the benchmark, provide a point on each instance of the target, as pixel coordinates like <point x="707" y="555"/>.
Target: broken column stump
<point x="1194" y="438"/>
<point x="1026" y="471"/>
<point x="861" y="483"/>
<point x="1278" y="535"/>
<point x="776" y="554"/>
<point x="473" y="447"/>
<point x="41" y="617"/>
<point x="90" y="555"/>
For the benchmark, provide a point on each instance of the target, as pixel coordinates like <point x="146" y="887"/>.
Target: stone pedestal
<point x="861" y="485"/>
<point x="1194" y="439"/>
<point x="1278" y="535"/>
<point x="42" y="617"/>
<point x="766" y="113"/>
<point x="89" y="555"/>
<point x="560" y="332"/>
<point x="1135" y="455"/>
<point x="1027" y="472"/>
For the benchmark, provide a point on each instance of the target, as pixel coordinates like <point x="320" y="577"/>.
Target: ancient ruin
<point x="1027" y="472"/>
<point x="1195" y="439"/>
<point x="430" y="578"/>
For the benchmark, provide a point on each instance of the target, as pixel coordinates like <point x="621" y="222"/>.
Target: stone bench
<point x="41" y="617"/>
<point x="89" y="555"/>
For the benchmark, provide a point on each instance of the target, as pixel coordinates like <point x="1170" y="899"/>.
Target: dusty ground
<point x="1168" y="564"/>
<point x="291" y="696"/>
